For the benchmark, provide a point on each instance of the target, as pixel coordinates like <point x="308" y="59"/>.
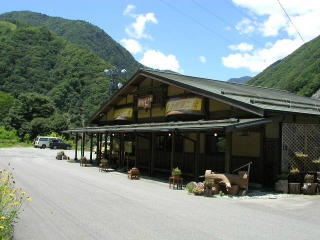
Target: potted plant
<point x="60" y="155"/>
<point x="190" y="186"/>
<point x="176" y="172"/>
<point x="282" y="184"/>
<point x="295" y="183"/>
<point x="309" y="186"/>
<point x="208" y="184"/>
<point x="198" y="190"/>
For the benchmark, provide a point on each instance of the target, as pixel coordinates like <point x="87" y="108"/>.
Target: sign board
<point x="122" y="114"/>
<point x="145" y="102"/>
<point x="184" y="106"/>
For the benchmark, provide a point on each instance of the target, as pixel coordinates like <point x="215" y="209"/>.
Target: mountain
<point x="299" y="72"/>
<point x="36" y="60"/>
<point x="244" y="79"/>
<point x="82" y="33"/>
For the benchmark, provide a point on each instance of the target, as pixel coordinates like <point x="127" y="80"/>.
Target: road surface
<point x="73" y="202"/>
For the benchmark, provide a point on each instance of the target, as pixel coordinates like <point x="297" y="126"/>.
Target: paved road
<point x="73" y="202"/>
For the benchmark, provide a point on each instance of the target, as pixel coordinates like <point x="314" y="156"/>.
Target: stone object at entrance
<point x="281" y="186"/>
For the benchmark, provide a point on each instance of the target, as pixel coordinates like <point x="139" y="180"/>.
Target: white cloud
<point x="246" y="26"/>
<point x="137" y="28"/>
<point x="158" y="60"/>
<point x="128" y="10"/>
<point x="132" y="45"/>
<point x="270" y="21"/>
<point x="242" y="47"/>
<point x="202" y="59"/>
<point x="305" y="16"/>
<point x="259" y="59"/>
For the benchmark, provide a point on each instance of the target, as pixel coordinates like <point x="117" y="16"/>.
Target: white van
<point x="42" y="142"/>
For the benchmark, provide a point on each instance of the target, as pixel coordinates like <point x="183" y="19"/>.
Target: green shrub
<point x="176" y="171"/>
<point x="11" y="201"/>
<point x="190" y="186"/>
<point x="8" y="134"/>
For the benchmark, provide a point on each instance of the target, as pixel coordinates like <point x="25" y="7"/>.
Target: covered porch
<point x="193" y="146"/>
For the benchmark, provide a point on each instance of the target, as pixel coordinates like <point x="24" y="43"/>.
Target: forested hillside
<point x="36" y="60"/>
<point x="82" y="33"/>
<point x="299" y="72"/>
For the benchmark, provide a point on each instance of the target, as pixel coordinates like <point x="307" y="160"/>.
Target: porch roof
<point x="201" y="125"/>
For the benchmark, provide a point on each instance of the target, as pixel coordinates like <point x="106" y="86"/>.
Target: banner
<point x="122" y="114"/>
<point x="184" y="106"/>
<point x="145" y="102"/>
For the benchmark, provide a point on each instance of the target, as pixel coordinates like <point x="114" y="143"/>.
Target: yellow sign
<point x="184" y="105"/>
<point x="122" y="113"/>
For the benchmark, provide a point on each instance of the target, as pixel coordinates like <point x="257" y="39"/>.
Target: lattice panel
<point x="300" y="146"/>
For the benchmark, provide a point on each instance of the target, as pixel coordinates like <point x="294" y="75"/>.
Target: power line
<point x="196" y="21"/>
<point x="291" y="21"/>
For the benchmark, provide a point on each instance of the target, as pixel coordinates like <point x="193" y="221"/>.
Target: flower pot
<point x="208" y="191"/>
<point x="309" y="178"/>
<point x="176" y="177"/>
<point x="234" y="190"/>
<point x="294" y="188"/>
<point x="309" y="188"/>
<point x="281" y="186"/>
<point x="216" y="188"/>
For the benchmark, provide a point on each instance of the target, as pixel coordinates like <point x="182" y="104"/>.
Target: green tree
<point x="35" y="114"/>
<point x="6" y="102"/>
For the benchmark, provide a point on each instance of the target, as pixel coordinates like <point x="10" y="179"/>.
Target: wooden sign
<point x="184" y="105"/>
<point x="145" y="102"/>
<point x="122" y="114"/>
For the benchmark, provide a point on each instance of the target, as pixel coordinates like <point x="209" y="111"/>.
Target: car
<point x="43" y="142"/>
<point x="59" y="144"/>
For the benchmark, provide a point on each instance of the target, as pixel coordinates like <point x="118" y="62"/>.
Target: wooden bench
<point x="134" y="173"/>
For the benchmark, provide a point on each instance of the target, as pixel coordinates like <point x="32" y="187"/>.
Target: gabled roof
<point x="260" y="97"/>
<point x="254" y="99"/>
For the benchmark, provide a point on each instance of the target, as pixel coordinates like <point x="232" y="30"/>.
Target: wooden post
<point x="105" y="145"/>
<point x="122" y="151"/>
<point x="111" y="147"/>
<point x="137" y="150"/>
<point x="91" y="146"/>
<point x="228" y="152"/>
<point x="261" y="165"/>
<point x="98" y="149"/>
<point x="81" y="146"/>
<point x="173" y="145"/>
<point x="84" y="143"/>
<point x="151" y="162"/>
<point x="76" y="151"/>
<point x="197" y="157"/>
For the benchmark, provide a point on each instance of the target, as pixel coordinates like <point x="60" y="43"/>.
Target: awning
<point x="201" y="125"/>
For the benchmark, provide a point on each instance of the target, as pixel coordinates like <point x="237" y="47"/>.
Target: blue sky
<point x="218" y="39"/>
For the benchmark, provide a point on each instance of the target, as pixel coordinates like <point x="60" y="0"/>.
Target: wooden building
<point x="161" y="120"/>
